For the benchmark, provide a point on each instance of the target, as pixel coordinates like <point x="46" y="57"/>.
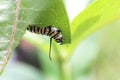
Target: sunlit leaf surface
<point x="98" y="14"/>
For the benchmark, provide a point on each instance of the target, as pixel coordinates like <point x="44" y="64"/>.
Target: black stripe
<point x="49" y="28"/>
<point x="45" y="30"/>
<point x="30" y="28"/>
<point x="38" y="30"/>
<point x="34" y="29"/>
<point x="41" y="31"/>
<point x="51" y="33"/>
<point x="56" y="35"/>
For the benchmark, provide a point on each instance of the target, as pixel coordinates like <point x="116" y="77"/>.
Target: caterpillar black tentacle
<point x="50" y="31"/>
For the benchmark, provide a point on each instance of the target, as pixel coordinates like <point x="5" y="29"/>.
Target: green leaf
<point x="44" y="13"/>
<point x="95" y="16"/>
<point x="7" y="13"/>
<point x="39" y="12"/>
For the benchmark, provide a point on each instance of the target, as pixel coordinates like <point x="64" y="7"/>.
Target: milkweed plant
<point x="68" y="61"/>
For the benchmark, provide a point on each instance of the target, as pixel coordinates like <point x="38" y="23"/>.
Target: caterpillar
<point x="50" y="31"/>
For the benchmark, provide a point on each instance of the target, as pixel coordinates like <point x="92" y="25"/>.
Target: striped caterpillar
<point x="50" y="31"/>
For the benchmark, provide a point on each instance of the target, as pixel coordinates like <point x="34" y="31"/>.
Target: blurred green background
<point x="94" y="58"/>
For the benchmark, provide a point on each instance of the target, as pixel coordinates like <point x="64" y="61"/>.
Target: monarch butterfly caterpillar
<point x="50" y="31"/>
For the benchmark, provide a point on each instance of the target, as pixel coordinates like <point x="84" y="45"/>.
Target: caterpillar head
<point x="60" y="40"/>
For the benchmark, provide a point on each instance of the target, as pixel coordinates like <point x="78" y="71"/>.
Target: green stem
<point x="62" y="65"/>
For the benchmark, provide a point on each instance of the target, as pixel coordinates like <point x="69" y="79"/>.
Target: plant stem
<point x="63" y="66"/>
